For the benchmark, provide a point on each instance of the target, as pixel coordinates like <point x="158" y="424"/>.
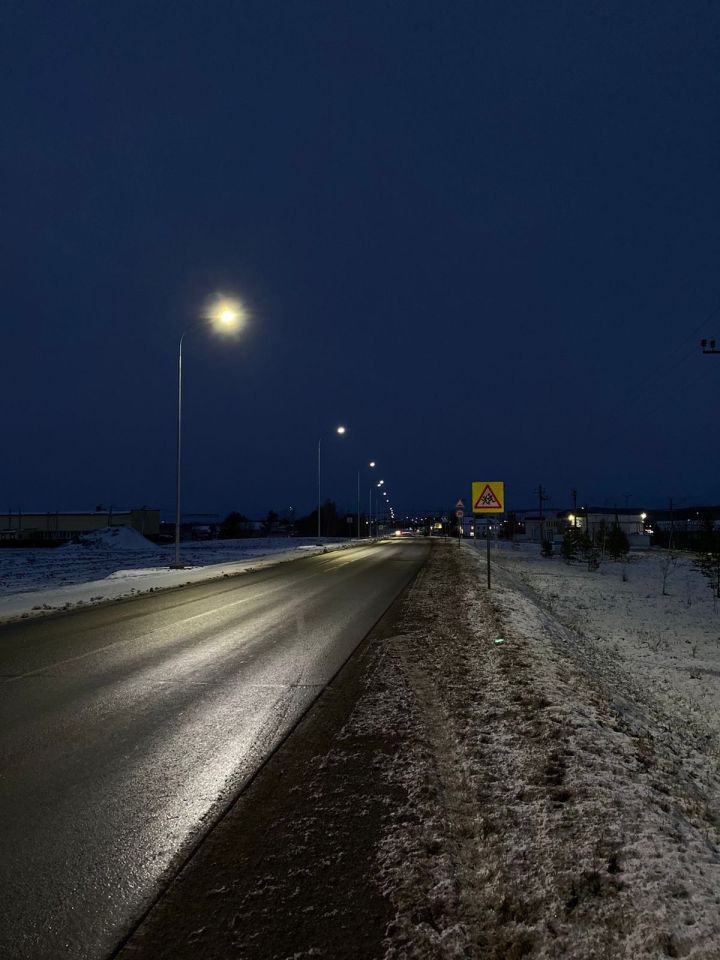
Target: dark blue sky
<point x="484" y="235"/>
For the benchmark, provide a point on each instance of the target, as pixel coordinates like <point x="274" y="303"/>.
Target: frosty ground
<point x="526" y="772"/>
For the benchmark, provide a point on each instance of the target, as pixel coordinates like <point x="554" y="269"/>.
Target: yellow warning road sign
<point x="488" y="496"/>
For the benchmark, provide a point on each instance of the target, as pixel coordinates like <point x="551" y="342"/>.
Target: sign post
<point x="488" y="496"/>
<point x="459" y="514"/>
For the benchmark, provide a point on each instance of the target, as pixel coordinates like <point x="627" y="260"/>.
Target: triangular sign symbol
<point x="487" y="500"/>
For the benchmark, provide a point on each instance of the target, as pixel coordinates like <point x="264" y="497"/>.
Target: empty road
<point x="126" y="729"/>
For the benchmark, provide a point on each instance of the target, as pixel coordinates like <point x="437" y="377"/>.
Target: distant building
<point x="551" y="526"/>
<point x="39" y="529"/>
<point x="593" y="520"/>
<point x="687" y="519"/>
<point x="631" y="520"/>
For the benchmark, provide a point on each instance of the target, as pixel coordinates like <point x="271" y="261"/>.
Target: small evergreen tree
<point x="570" y="546"/>
<point x="616" y="542"/>
<point x="546" y="548"/>
<point x="590" y="550"/>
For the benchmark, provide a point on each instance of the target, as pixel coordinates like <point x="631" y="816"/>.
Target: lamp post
<point x="371" y="464"/>
<point x="226" y="316"/>
<point x="340" y="431"/>
<point x="377" y="506"/>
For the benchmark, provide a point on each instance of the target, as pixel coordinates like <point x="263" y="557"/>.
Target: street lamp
<point x="225" y="316"/>
<point x="340" y="431"/>
<point x="371" y="464"/>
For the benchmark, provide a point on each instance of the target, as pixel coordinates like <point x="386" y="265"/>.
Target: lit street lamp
<point x="225" y="316"/>
<point x="371" y="464"/>
<point x="340" y="431"/>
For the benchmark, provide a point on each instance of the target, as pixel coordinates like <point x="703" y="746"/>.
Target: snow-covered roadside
<point x="120" y="563"/>
<point x="556" y="806"/>
<point x="670" y="643"/>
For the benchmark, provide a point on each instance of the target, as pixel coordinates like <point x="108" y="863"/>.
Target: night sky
<point x="485" y="236"/>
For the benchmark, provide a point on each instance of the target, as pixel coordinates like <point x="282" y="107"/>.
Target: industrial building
<point x="48" y="529"/>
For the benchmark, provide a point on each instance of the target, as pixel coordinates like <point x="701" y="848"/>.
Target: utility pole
<point x="574" y="500"/>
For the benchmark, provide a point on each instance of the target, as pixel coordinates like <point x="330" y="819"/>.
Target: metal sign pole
<point x="488" y="497"/>
<point x="487" y="537"/>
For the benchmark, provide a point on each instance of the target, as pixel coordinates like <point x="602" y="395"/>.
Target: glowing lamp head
<point x="341" y="430"/>
<point x="372" y="463"/>
<point x="226" y="315"/>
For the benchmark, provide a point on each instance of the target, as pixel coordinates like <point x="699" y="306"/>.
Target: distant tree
<point x="616" y="542"/>
<point x="306" y="526"/>
<point x="233" y="526"/>
<point x="331" y="526"/>
<point x="269" y="522"/>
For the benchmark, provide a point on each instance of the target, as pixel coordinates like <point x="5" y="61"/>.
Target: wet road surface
<point x="125" y="730"/>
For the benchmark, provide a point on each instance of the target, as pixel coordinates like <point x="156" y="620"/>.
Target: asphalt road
<point x="125" y="730"/>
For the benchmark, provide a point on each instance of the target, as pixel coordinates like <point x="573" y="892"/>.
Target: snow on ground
<point x="670" y="643"/>
<point x="558" y="757"/>
<point x="120" y="562"/>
